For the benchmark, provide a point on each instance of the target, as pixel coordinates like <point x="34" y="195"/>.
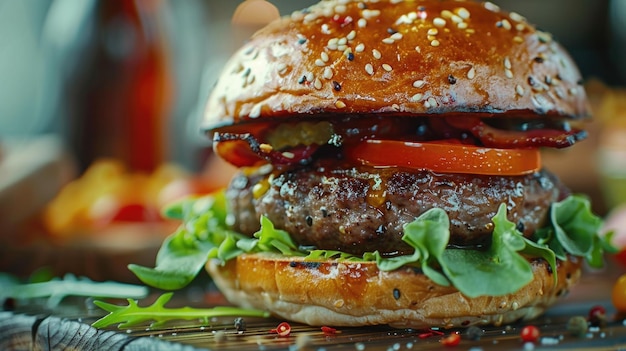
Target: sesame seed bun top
<point x="429" y="57"/>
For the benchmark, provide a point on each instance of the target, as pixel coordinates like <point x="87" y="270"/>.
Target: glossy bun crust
<point x="356" y="294"/>
<point x="401" y="58"/>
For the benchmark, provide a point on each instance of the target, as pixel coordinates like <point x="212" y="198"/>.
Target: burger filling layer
<point x="359" y="209"/>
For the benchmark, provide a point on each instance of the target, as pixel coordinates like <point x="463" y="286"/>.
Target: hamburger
<point x="390" y="170"/>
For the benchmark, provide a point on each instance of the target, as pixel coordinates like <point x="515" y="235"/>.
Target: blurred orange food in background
<point x="108" y="193"/>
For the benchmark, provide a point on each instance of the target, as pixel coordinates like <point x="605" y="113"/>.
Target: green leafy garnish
<point x="499" y="269"/>
<point x="133" y="314"/>
<point x="57" y="289"/>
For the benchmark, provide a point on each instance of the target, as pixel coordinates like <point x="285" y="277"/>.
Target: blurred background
<point x="111" y="91"/>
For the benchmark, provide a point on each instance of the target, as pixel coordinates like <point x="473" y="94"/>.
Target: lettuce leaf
<point x="500" y="269"/>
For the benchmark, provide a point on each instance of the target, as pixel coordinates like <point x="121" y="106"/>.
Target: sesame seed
<point x="328" y="73"/>
<point x="362" y="22"/>
<point x="351" y="35"/>
<point x="360" y="47"/>
<point x="439" y="22"/>
<point x="418" y="49"/>
<point x="309" y="76"/>
<point x="517" y="17"/>
<point x="434" y="43"/>
<point x="518" y="39"/>
<point x="387" y="67"/>
<point x="451" y="79"/>
<point x="340" y="8"/>
<point x="507" y="63"/>
<point x="520" y="27"/>
<point x="368" y="14"/>
<point x="544" y="37"/>
<point x="432" y="102"/>
<point x="288" y="154"/>
<point x="340" y="104"/>
<point x="471" y="73"/>
<point x="456" y="19"/>
<point x="396" y="36"/>
<point x="446" y="14"/>
<point x="336" y="85"/>
<point x="342" y="41"/>
<point x="520" y="90"/>
<point x="324" y="56"/>
<point x="317" y="84"/>
<point x="417" y="97"/>
<point x="342" y="47"/>
<point x="377" y="55"/>
<point x="559" y="92"/>
<point x="491" y="6"/>
<point x="506" y="24"/>
<point x="508" y="73"/>
<point x="433" y="31"/>
<point x="369" y="69"/>
<point x="255" y="112"/>
<point x="470" y="31"/>
<point x="325" y="28"/>
<point x="462" y="12"/>
<point x="266" y="148"/>
<point x="548" y="80"/>
<point x="419" y="84"/>
<point x="388" y="41"/>
<point x="462" y="25"/>
<point x="320" y="63"/>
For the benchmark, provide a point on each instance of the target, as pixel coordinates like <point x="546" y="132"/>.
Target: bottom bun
<point x="341" y="293"/>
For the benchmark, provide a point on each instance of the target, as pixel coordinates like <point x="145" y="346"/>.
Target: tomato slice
<point x="445" y="157"/>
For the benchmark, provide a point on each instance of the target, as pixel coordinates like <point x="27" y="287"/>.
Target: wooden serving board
<point x="68" y="328"/>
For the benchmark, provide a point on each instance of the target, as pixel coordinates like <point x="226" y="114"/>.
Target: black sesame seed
<point x="302" y="80"/>
<point x="558" y="76"/>
<point x="451" y="79"/>
<point x="240" y="324"/>
<point x="381" y="229"/>
<point x="520" y="226"/>
<point x="396" y="294"/>
<point x="531" y="81"/>
<point x="499" y="24"/>
<point x="350" y="56"/>
<point x="309" y="221"/>
<point x="301" y="41"/>
<point x="421" y="8"/>
<point x="336" y="85"/>
<point x="293" y="264"/>
<point x="324" y="212"/>
<point x="539" y="59"/>
<point x="391" y="31"/>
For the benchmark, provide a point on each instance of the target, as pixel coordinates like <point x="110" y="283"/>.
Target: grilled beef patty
<point x="356" y="210"/>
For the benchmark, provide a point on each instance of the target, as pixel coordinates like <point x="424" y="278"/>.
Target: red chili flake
<point x="429" y="333"/>
<point x="451" y="340"/>
<point x="530" y="333"/>
<point x="328" y="330"/>
<point x="283" y="329"/>
<point x="342" y="20"/>
<point x="597" y="316"/>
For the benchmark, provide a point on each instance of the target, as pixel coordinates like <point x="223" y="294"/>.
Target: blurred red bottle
<point x="125" y="91"/>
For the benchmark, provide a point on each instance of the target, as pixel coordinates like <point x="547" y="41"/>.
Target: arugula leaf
<point x="179" y="261"/>
<point x="499" y="270"/>
<point x="133" y="314"/>
<point x="57" y="289"/>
